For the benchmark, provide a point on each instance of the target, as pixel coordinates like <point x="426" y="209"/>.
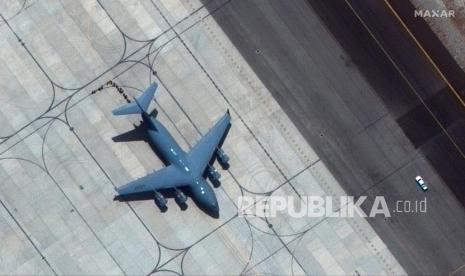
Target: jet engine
<point x="213" y="175"/>
<point x="222" y="158"/>
<point x="180" y="198"/>
<point x="160" y="201"/>
<point x="154" y="113"/>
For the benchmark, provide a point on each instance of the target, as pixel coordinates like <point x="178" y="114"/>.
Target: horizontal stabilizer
<point x="139" y="105"/>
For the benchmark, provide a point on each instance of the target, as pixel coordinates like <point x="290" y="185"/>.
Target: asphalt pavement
<point x="372" y="108"/>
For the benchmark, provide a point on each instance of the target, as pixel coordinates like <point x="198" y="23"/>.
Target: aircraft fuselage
<point x="171" y="154"/>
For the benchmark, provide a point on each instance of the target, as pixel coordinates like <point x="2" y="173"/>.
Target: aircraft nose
<point x="215" y="213"/>
<point x="215" y="210"/>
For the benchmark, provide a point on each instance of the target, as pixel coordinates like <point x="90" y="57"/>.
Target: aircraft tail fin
<point x="139" y="105"/>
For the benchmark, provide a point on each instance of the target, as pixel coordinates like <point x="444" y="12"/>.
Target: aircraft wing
<point x="168" y="177"/>
<point x="201" y="154"/>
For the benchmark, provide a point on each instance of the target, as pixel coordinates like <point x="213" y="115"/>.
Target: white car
<point x="421" y="183"/>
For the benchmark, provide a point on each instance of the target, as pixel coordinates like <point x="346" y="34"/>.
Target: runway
<point x="59" y="166"/>
<point x="431" y="44"/>
<point x="372" y="108"/>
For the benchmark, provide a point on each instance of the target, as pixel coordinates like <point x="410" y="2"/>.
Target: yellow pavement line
<point x="405" y="79"/>
<point x="457" y="270"/>
<point x="428" y="57"/>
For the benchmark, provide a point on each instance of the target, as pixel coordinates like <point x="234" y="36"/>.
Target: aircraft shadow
<point x="167" y="193"/>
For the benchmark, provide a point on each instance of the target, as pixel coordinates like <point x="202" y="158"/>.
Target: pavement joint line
<point x="283" y="243"/>
<point x="66" y="100"/>
<point x="232" y="106"/>
<point x="26" y="5"/>
<point x="253" y="85"/>
<point x="220" y="226"/>
<point x="301" y="234"/>
<point x="412" y="88"/>
<point x="425" y="53"/>
<point x="223" y="95"/>
<point x="287" y="180"/>
<point x="50" y="122"/>
<point x="107" y="176"/>
<point x="122" y="60"/>
<point x="28" y="236"/>
<point x="291" y="252"/>
<point x="456" y="270"/>
<point x="184" y="250"/>
<point x="266" y="194"/>
<point x="45" y="169"/>
<point x="203" y="237"/>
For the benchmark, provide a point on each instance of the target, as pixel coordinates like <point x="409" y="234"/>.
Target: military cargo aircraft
<point x="184" y="172"/>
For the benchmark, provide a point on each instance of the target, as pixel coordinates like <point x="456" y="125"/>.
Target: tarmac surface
<point x="59" y="166"/>
<point x="431" y="43"/>
<point x="374" y="111"/>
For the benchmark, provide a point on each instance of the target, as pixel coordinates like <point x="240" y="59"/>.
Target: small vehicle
<point x="421" y="183"/>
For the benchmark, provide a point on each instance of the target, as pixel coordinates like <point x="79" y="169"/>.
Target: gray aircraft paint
<point x="183" y="170"/>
